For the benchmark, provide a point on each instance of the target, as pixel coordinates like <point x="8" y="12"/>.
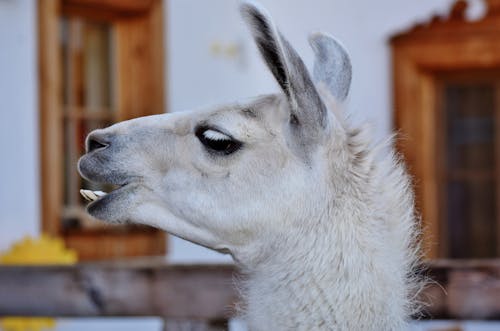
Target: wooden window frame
<point x="139" y="38"/>
<point x="420" y="56"/>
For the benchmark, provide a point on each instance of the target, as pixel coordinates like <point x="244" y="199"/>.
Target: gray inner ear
<point x="332" y="65"/>
<point x="287" y="67"/>
<point x="269" y="46"/>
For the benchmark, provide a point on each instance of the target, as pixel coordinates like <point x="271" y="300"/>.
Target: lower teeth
<point x="90" y="195"/>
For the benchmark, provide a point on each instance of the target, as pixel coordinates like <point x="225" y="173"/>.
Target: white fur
<point x="322" y="228"/>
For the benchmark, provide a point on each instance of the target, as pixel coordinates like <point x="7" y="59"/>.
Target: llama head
<point x="228" y="177"/>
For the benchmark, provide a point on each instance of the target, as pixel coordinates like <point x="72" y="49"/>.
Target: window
<point x="469" y="164"/>
<point x="87" y="104"/>
<point x="447" y="109"/>
<point x="100" y="62"/>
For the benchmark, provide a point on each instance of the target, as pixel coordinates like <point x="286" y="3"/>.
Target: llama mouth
<point x="105" y="205"/>
<point x="110" y="206"/>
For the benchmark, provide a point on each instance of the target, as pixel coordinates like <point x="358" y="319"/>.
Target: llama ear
<point x="332" y="65"/>
<point x="288" y="69"/>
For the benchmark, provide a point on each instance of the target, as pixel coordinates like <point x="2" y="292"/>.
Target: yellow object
<point x="44" y="250"/>
<point x="27" y="323"/>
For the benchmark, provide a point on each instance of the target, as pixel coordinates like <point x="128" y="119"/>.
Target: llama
<point x="322" y="228"/>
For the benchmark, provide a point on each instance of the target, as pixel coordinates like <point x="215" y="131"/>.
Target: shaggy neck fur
<point x="349" y="267"/>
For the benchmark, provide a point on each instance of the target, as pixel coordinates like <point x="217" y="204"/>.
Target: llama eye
<point x="217" y="141"/>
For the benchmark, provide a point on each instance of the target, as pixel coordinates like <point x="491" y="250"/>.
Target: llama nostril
<point x="94" y="143"/>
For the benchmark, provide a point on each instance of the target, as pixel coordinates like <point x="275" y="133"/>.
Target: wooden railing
<point x="205" y="294"/>
<point x="462" y="289"/>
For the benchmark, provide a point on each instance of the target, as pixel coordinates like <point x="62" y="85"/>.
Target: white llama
<point x="322" y="228"/>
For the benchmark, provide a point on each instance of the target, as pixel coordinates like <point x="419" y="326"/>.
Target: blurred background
<point x="429" y="69"/>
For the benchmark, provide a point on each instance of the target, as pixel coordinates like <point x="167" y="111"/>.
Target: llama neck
<point x="337" y="276"/>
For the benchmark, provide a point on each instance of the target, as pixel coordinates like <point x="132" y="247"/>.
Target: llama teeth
<point x="90" y="195"/>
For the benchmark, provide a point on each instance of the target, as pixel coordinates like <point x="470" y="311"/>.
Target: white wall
<point x="19" y="198"/>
